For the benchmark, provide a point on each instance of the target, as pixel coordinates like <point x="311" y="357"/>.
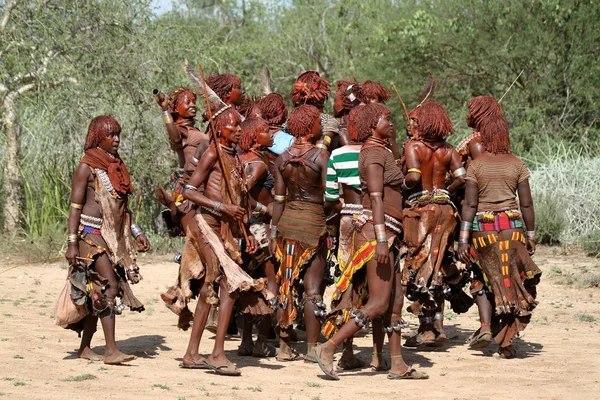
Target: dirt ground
<point x="559" y="353"/>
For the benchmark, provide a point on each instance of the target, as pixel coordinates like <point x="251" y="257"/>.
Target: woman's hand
<point x="142" y="243"/>
<point x="72" y="253"/>
<point x="252" y="245"/>
<point x="531" y="246"/>
<point x="464" y="253"/>
<point x="382" y="253"/>
<point x="233" y="211"/>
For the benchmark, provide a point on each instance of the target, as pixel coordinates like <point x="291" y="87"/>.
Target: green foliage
<point x="550" y="219"/>
<point x="80" y="378"/>
<point x="591" y="243"/>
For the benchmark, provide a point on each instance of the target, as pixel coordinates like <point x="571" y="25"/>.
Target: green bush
<point x="550" y="219"/>
<point x="591" y="243"/>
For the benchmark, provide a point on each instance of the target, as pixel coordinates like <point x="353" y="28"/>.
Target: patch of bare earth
<point x="559" y="353"/>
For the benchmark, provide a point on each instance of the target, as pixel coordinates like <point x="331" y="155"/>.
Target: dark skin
<point x="303" y="184"/>
<point x="380" y="271"/>
<point x="468" y="214"/>
<point x="209" y="174"/>
<point x="83" y="192"/>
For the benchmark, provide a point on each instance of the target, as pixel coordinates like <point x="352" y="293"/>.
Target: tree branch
<point x="37" y="74"/>
<point x="8" y="7"/>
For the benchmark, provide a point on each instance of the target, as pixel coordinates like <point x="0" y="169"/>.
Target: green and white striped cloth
<point x="342" y="168"/>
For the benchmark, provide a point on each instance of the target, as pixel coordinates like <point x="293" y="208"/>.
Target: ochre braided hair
<point x="374" y="91"/>
<point x="495" y="135"/>
<point x="176" y="96"/>
<point x="273" y="108"/>
<point x="342" y="89"/>
<point x="310" y="88"/>
<point x="222" y="118"/>
<point x="99" y="129"/>
<point x="251" y="128"/>
<point x="223" y="84"/>
<point x="481" y="107"/>
<point x="433" y="123"/>
<point x="365" y="118"/>
<point x="301" y="119"/>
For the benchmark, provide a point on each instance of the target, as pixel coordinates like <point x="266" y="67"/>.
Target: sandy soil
<point x="559" y="354"/>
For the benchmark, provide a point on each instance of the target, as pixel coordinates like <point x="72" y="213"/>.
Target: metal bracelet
<point x="136" y="231"/>
<point x="530" y="234"/>
<point x="380" y="234"/>
<point x="321" y="146"/>
<point x="463" y="240"/>
<point x="466" y="226"/>
<point x="167" y="117"/>
<point x="190" y="187"/>
<point x="404" y="187"/>
<point x="280" y="198"/>
<point x="416" y="170"/>
<point x="72" y="238"/>
<point x="77" y="206"/>
<point x="459" y="172"/>
<point x="273" y="231"/>
<point x="376" y="194"/>
<point x="216" y="206"/>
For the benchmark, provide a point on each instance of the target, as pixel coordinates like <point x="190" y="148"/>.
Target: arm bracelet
<point x="459" y="172"/>
<point x="260" y="208"/>
<point x="167" y="117"/>
<point x="136" y="231"/>
<point x="77" y="206"/>
<point x="463" y="240"/>
<point x="216" y="206"/>
<point x="466" y="226"/>
<point x="380" y="234"/>
<point x="530" y="235"/>
<point x="322" y="146"/>
<point x="273" y="231"/>
<point x="404" y="187"/>
<point x="416" y="170"/>
<point x="280" y="198"/>
<point x="72" y="238"/>
<point x="190" y="187"/>
<point x="376" y="194"/>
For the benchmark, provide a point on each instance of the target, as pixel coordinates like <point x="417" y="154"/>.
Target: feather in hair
<point x="429" y="90"/>
<point x="196" y="80"/>
<point x="266" y="80"/>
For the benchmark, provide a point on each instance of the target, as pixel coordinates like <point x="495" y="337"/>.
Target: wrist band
<point x="72" y="238"/>
<point x="380" y="234"/>
<point x="260" y="208"/>
<point x="167" y="117"/>
<point x="190" y="187"/>
<point x="76" y="206"/>
<point x="404" y="187"/>
<point x="466" y="226"/>
<point x="273" y="231"/>
<point x="136" y="231"/>
<point x="280" y="198"/>
<point x="216" y="207"/>
<point x="376" y="194"/>
<point x="463" y="240"/>
<point x="321" y="146"/>
<point x="417" y="170"/>
<point x="459" y="172"/>
<point x="530" y="234"/>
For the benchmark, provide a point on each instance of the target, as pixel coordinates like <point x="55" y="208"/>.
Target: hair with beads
<point x="352" y="134"/>
<point x="301" y="120"/>
<point x="99" y="129"/>
<point x="310" y="88"/>
<point x="356" y="90"/>
<point x="365" y="118"/>
<point x="221" y="118"/>
<point x="495" y="135"/>
<point x="223" y="84"/>
<point x="177" y="95"/>
<point x="374" y="91"/>
<point x="481" y="107"/>
<point x="251" y="128"/>
<point x="273" y="108"/>
<point x="433" y="122"/>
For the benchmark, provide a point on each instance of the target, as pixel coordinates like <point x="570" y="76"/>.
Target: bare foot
<point x="89" y="354"/>
<point x="117" y="358"/>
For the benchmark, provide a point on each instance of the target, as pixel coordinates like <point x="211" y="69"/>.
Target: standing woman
<point x="377" y="234"/>
<point x="503" y="237"/>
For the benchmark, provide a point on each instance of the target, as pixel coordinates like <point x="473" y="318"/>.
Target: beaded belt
<point x="390" y="221"/>
<point x="351" y="209"/>
<point x="92" y="222"/>
<point x="211" y="211"/>
<point x="90" y="230"/>
<point x="425" y="197"/>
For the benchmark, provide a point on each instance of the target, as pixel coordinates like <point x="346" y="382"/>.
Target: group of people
<point x="268" y="202"/>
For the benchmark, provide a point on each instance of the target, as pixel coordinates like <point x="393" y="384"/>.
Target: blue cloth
<point x="281" y="141"/>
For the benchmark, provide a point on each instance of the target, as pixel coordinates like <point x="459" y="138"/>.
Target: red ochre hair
<point x="301" y="119"/>
<point x="273" y="108"/>
<point x="433" y="121"/>
<point x="310" y="88"/>
<point x="495" y="135"/>
<point x="365" y="118"/>
<point x="342" y="89"/>
<point x="99" y="129"/>
<point x="221" y="119"/>
<point x="251" y="128"/>
<point x="374" y="91"/>
<point x="223" y="84"/>
<point x="481" y="107"/>
<point x="247" y="107"/>
<point x="176" y="95"/>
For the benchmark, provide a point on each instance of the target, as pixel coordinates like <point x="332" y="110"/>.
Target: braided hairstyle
<point x="251" y="128"/>
<point x="220" y="119"/>
<point x="223" y="84"/>
<point x="372" y="91"/>
<point x="176" y="96"/>
<point x="432" y="121"/>
<point x="495" y="135"/>
<point x="99" y="129"/>
<point x="481" y="107"/>
<point x="273" y="108"/>
<point x="310" y="88"/>
<point x="364" y="118"/>
<point x="346" y="95"/>
<point x="301" y="120"/>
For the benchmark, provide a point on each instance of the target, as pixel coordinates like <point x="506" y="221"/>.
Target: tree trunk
<point x="13" y="182"/>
